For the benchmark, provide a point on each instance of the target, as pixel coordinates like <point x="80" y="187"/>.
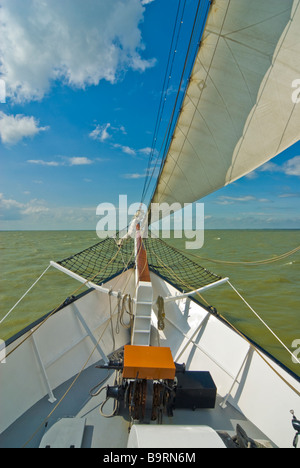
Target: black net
<point x="109" y="258"/>
<point x="102" y="261"/>
<point x="175" y="267"/>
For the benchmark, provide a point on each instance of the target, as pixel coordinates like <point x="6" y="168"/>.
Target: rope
<point x="94" y="394"/>
<point x="68" y="389"/>
<point x="104" y="387"/>
<point x="251" y="344"/>
<point x="8" y="313"/>
<point x="61" y="304"/>
<point x="161" y="313"/>
<point x="163" y="99"/>
<point x="122" y="309"/>
<point x="105" y="401"/>
<point x="174" y="276"/>
<point x="262" y="321"/>
<point x="111" y="321"/>
<point x="75" y="379"/>
<point x="257" y="262"/>
<point x="261" y="355"/>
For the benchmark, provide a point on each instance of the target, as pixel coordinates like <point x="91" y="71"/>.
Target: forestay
<point x="239" y="110"/>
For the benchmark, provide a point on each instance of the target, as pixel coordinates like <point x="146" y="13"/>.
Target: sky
<point x="83" y="82"/>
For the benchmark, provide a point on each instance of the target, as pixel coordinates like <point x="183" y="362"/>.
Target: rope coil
<point x="161" y="313"/>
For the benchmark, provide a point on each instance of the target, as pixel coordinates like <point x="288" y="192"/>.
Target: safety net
<point x="112" y="256"/>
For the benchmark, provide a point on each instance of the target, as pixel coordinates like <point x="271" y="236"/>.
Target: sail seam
<point x="261" y="93"/>
<point x="258" y="22"/>
<point x="211" y="62"/>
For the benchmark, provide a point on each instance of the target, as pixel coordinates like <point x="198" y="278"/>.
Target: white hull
<point x="42" y="367"/>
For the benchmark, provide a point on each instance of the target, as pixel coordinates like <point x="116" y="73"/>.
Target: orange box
<point x="149" y="362"/>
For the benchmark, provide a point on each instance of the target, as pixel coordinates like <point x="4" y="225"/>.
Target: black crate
<point x="195" y="389"/>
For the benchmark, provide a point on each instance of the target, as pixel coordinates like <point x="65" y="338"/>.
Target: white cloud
<point x="14" y="128"/>
<point x="101" y="133"/>
<point x="146" y="151"/>
<point x="291" y="167"/>
<point x="41" y="162"/>
<point x="290" y="195"/>
<point x="77" y="42"/>
<point x="251" y="176"/>
<point x="12" y="209"/>
<point x="270" y="167"/>
<point x="133" y="152"/>
<point x="226" y="200"/>
<point x="133" y="176"/>
<point x="125" y="149"/>
<point x="77" y="161"/>
<point x="74" y="161"/>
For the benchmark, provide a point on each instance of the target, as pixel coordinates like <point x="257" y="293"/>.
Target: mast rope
<point x="163" y="98"/>
<point x="176" y="108"/>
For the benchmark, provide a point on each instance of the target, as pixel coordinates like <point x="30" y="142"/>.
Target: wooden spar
<point x="143" y="273"/>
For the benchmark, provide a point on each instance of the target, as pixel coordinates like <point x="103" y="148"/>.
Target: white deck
<point x="113" y="432"/>
<point x="38" y="373"/>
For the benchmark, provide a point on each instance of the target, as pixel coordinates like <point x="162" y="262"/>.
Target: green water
<point x="272" y="290"/>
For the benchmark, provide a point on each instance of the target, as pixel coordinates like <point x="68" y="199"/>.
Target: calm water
<point x="272" y="290"/>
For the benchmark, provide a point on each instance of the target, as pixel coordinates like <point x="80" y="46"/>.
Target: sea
<point x="271" y="288"/>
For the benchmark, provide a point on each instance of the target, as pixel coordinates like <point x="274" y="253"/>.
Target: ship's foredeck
<point x="109" y="433"/>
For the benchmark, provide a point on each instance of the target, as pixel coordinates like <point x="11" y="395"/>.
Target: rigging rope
<point x="254" y="263"/>
<point x="62" y="303"/>
<point x="255" y="348"/>
<point x="164" y="93"/>
<point x="171" y="121"/>
<point x="245" y="338"/>
<point x="68" y="389"/>
<point x="8" y="313"/>
<point x="76" y="377"/>
<point x="200" y="14"/>
<point x="262" y="321"/>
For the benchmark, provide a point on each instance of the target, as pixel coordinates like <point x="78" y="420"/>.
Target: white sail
<point x="239" y="110"/>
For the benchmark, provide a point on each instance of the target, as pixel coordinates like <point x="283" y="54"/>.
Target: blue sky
<point x="83" y="85"/>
